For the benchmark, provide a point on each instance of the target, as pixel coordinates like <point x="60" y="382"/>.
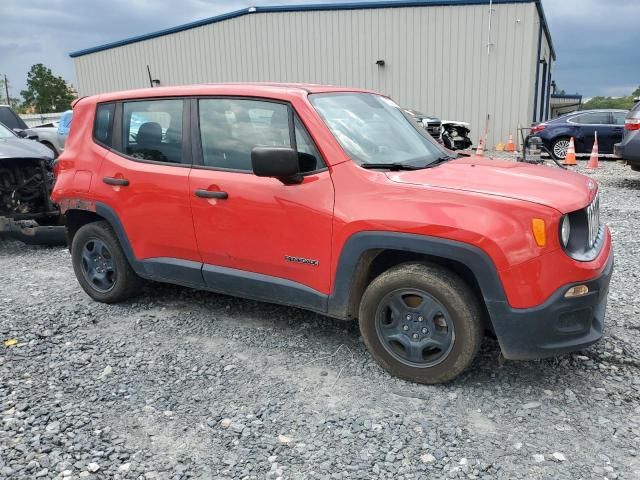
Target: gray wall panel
<point x="435" y="58"/>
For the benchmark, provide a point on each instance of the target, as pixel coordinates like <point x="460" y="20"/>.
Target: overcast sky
<point x="596" y="41"/>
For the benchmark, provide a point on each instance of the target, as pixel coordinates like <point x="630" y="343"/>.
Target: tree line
<point x="45" y="92"/>
<point x="622" y="103"/>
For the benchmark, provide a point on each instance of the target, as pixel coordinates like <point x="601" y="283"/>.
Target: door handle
<point x="212" y="194"/>
<point x="121" y="182"/>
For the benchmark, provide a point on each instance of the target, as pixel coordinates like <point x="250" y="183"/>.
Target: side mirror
<point x="20" y="132"/>
<point x="277" y="162"/>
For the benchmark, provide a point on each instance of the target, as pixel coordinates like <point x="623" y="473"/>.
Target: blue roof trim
<point x="307" y="8"/>
<point x="568" y="97"/>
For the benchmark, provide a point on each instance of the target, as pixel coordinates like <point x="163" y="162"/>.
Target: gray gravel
<point x="184" y="384"/>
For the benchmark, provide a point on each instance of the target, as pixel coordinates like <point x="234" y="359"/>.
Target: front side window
<point x="103" y="128"/>
<point x="152" y="130"/>
<point x="595" y="118"/>
<point x="231" y="128"/>
<point x="373" y="130"/>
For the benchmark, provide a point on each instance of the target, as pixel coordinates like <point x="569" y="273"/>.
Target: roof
<point x="567" y="97"/>
<point x="314" y="7"/>
<point x="257" y="89"/>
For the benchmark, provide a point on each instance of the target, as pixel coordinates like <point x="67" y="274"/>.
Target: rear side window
<point x="231" y="128"/>
<point x="103" y="127"/>
<point x="618" y="118"/>
<point x="152" y="130"/>
<point x="595" y="118"/>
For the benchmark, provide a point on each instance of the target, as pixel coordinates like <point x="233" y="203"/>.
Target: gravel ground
<point x="185" y="384"/>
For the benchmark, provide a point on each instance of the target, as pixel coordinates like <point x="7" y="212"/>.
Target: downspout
<point x="548" y="106"/>
<point x="535" y="94"/>
<point x="543" y="90"/>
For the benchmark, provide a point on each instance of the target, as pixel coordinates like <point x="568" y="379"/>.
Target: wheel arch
<point x="80" y="212"/>
<point x="367" y="254"/>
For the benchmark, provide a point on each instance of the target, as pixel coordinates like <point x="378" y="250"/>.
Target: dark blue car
<point x="582" y="126"/>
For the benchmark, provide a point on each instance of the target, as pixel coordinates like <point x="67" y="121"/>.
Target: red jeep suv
<point x="335" y="201"/>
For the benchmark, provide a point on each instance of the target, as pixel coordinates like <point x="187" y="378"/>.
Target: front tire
<point x="100" y="265"/>
<point x="421" y="322"/>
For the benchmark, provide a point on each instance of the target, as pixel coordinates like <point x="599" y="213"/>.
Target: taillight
<point x="632" y="124"/>
<point x="538" y="128"/>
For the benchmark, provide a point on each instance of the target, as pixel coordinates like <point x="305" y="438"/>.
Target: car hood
<point x="550" y="186"/>
<point x="23" y="148"/>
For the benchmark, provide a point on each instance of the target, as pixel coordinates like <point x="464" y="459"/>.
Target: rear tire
<point x="421" y="322"/>
<point x="559" y="148"/>
<point x="100" y="265"/>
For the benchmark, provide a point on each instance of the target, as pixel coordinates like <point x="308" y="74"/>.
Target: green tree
<point x="623" y="103"/>
<point x="45" y="92"/>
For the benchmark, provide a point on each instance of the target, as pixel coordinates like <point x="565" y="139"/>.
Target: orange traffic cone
<point x="480" y="150"/>
<point x="510" y="146"/>
<point x="593" y="159"/>
<point x="570" y="158"/>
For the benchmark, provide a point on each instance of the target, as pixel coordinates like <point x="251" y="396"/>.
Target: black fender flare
<point x="475" y="259"/>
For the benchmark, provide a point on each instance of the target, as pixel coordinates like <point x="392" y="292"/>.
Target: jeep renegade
<point x="334" y="200"/>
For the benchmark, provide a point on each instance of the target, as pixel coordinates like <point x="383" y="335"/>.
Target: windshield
<point x="372" y="129"/>
<point x="5" y="132"/>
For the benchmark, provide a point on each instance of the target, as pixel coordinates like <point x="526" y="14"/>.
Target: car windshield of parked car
<point x="5" y="132"/>
<point x="373" y="130"/>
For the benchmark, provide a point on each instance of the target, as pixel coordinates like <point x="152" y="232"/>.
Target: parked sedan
<point x="582" y="126"/>
<point x="629" y="148"/>
<point x="52" y="137"/>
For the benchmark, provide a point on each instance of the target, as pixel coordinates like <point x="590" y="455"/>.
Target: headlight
<point x="565" y="230"/>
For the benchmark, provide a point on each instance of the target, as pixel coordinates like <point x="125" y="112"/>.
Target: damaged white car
<point x="26" y="179"/>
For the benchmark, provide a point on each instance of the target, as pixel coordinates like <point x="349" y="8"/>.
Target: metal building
<point x="456" y="59"/>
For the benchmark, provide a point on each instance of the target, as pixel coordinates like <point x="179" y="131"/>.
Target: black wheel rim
<point x="98" y="266"/>
<point x="415" y="328"/>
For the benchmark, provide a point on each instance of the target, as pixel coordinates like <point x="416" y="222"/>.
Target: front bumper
<point x="559" y="325"/>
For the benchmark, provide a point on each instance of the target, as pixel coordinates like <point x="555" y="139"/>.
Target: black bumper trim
<point x="560" y="325"/>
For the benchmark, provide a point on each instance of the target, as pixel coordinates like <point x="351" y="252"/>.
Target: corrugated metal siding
<point x="435" y="57"/>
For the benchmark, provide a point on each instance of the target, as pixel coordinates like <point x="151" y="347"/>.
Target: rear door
<point x="259" y="225"/>
<point x="144" y="178"/>
<point x="588" y="124"/>
<point x="618" y="126"/>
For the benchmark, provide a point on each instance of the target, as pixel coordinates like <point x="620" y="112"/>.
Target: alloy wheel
<point x="560" y="148"/>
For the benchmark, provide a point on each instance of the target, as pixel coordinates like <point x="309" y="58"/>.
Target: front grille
<point x="593" y="220"/>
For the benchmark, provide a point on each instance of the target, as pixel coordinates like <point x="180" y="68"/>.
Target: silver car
<point x="629" y="148"/>
<point x="52" y="137"/>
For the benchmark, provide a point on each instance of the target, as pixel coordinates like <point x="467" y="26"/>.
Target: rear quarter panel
<point x="80" y="162"/>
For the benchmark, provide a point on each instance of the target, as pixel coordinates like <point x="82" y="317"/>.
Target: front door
<point x="253" y="225"/>
<point x="144" y="178"/>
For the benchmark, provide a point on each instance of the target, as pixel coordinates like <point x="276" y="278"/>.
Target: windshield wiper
<point x="440" y="160"/>
<point x="392" y="166"/>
